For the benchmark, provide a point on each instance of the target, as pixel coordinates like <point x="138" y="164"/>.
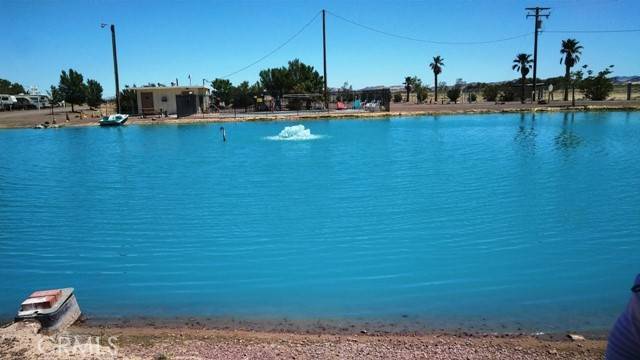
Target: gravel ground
<point x="228" y="344"/>
<point x="21" y="341"/>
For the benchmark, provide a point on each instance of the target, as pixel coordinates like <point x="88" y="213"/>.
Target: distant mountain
<point x="625" y="79"/>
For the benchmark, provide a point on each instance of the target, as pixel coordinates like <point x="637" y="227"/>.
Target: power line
<point x="276" y="49"/>
<point x="409" y="38"/>
<point x="424" y="40"/>
<point x="592" y="31"/>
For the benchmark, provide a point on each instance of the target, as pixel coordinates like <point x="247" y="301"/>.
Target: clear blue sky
<point x="161" y="40"/>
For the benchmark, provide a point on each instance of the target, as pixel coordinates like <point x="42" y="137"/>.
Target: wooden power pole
<point x="115" y="67"/>
<point x="324" y="61"/>
<point x="537" y="25"/>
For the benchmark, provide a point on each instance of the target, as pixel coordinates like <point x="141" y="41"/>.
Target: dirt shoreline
<point x="21" y="341"/>
<point x="405" y="326"/>
<point x="28" y="119"/>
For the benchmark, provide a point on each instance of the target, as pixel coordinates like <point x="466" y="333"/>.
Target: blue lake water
<point x="510" y="219"/>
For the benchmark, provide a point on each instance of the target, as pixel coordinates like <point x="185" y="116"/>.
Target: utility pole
<point x="115" y="67"/>
<point x="537" y="25"/>
<point x="324" y="60"/>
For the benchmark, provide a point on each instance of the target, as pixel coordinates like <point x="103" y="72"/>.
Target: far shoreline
<point x="27" y="120"/>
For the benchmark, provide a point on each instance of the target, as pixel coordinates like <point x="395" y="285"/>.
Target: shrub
<point x="454" y="94"/>
<point x="597" y="87"/>
<point x="421" y="93"/>
<point x="507" y="95"/>
<point x="472" y="97"/>
<point x="490" y="92"/>
<point x="397" y="97"/>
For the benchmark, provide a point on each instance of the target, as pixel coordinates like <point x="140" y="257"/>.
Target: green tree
<point x="490" y="92"/>
<point x="522" y="63"/>
<point x="223" y="90"/>
<point x="275" y="81"/>
<point x="72" y="87"/>
<point x="256" y="89"/>
<point x="7" y="87"/>
<point x="576" y="81"/>
<point x="454" y="94"/>
<point x="128" y="101"/>
<point x="421" y="91"/>
<point x="242" y="96"/>
<point x="571" y="51"/>
<point x="304" y="78"/>
<point x="94" y="93"/>
<point x="598" y="87"/>
<point x="55" y="95"/>
<point x="436" y="67"/>
<point x="297" y="77"/>
<point x="416" y="86"/>
<point x="408" y="86"/>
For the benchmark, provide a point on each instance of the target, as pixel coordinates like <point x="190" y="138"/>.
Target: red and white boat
<point x="54" y="309"/>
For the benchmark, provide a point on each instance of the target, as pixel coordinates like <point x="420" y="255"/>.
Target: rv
<point x="7" y="102"/>
<point x="40" y="101"/>
<point x="24" y="103"/>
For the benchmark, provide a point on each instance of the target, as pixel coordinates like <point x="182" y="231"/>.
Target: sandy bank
<point x="20" y="341"/>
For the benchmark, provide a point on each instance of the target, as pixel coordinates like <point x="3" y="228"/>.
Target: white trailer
<point x="7" y="102"/>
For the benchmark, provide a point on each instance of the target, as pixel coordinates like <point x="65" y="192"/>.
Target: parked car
<point x="7" y="102"/>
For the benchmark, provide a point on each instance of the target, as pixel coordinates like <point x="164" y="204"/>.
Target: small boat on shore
<point x="114" y="120"/>
<point x="55" y="309"/>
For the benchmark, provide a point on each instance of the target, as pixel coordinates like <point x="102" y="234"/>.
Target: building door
<point x="147" y="103"/>
<point x="186" y="105"/>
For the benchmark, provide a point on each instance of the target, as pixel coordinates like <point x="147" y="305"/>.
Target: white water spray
<point x="295" y="133"/>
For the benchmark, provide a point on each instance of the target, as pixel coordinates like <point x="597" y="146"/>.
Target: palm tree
<point x="436" y="66"/>
<point x="408" y="85"/>
<point x="522" y="63"/>
<point x="571" y="51"/>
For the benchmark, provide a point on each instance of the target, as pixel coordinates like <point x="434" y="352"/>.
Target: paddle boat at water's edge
<point x="114" y="120"/>
<point x="55" y="309"/>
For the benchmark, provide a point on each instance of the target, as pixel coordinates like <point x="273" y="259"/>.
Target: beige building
<point x="179" y="100"/>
